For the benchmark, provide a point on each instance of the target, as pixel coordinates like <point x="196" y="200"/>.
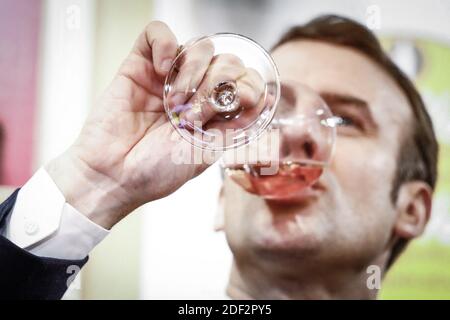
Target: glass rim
<point x="244" y="139"/>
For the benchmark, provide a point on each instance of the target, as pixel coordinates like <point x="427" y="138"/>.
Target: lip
<point x="300" y="197"/>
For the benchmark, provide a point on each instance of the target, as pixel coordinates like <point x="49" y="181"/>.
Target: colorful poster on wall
<point x="19" y="41"/>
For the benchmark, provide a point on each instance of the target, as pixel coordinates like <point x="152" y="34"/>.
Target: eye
<point x="348" y="124"/>
<point x="344" y="121"/>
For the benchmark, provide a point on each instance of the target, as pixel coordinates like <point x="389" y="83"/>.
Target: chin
<point x="280" y="228"/>
<point x="286" y="240"/>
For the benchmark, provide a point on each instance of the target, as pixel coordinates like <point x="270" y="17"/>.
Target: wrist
<point x="97" y="196"/>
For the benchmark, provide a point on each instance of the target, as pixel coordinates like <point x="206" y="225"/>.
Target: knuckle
<point x="207" y="46"/>
<point x="190" y="64"/>
<point x="166" y="44"/>
<point x="228" y="58"/>
<point x="253" y="74"/>
<point x="220" y="73"/>
<point x="255" y="79"/>
<point x="156" y="25"/>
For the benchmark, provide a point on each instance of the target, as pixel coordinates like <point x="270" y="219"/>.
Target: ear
<point x="414" y="209"/>
<point x="220" y="213"/>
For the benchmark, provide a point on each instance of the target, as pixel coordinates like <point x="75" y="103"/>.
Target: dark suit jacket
<point x="25" y="276"/>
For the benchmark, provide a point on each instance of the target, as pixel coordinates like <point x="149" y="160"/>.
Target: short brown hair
<point x="418" y="154"/>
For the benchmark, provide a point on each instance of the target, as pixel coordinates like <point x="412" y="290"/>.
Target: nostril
<point x="295" y="146"/>
<point x="309" y="149"/>
<point x="285" y="150"/>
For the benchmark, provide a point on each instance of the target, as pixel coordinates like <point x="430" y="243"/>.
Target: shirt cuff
<point x="44" y="224"/>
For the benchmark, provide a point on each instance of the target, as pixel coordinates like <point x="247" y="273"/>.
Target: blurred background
<point x="56" y="56"/>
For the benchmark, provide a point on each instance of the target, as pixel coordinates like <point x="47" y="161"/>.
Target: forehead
<point x="331" y="68"/>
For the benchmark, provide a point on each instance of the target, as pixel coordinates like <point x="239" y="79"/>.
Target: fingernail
<point x="166" y="65"/>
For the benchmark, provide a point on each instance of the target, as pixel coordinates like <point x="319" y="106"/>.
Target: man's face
<point x="351" y="219"/>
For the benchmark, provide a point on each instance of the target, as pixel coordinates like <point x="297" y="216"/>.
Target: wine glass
<point x="293" y="153"/>
<point x="221" y="92"/>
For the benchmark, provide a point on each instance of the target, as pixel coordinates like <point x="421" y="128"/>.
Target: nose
<point x="302" y="122"/>
<point x="298" y="143"/>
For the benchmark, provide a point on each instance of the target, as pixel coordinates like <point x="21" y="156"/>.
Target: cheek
<point x="363" y="171"/>
<point x="248" y="220"/>
<point x="364" y="176"/>
<point x="241" y="211"/>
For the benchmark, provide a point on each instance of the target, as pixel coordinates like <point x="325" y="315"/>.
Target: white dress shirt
<point x="44" y="224"/>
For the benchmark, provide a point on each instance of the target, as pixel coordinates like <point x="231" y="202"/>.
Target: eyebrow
<point x="337" y="99"/>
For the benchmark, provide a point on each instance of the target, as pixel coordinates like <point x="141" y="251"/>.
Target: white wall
<point x="182" y="256"/>
<point x="64" y="86"/>
<point x="66" y="55"/>
<point x="264" y="20"/>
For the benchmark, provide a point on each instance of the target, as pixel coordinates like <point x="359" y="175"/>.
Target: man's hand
<point x="122" y="158"/>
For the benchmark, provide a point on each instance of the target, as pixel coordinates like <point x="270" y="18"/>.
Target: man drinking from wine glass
<point x="371" y="200"/>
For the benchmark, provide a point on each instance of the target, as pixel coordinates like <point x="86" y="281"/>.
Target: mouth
<point x="301" y="196"/>
<point x="291" y="184"/>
